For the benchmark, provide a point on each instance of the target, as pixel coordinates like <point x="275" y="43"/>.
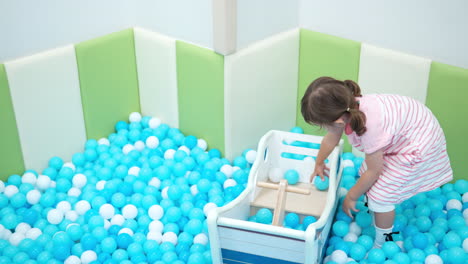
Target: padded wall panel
<point x="446" y="97"/>
<point x="260" y="91"/>
<point x="387" y="71"/>
<point x="109" y="83"/>
<point x="324" y="55"/>
<point x="157" y="75"/>
<point x="46" y="98"/>
<point x="200" y="78"/>
<point x="11" y="161"/>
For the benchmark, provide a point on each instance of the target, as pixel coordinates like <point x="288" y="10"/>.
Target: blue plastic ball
<point x="321" y="185"/>
<point x="264" y="216"/>
<point x="292" y="176"/>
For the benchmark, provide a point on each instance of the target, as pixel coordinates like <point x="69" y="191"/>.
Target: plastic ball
<point x="292" y="176"/>
<point x="170" y="237"/>
<point x="129" y="211"/>
<point x="43" y="182"/>
<point x="155" y="212"/>
<point x="72" y="260"/>
<point x="55" y="216"/>
<point x="339" y="256"/>
<point x="81" y="207"/>
<point x="264" y="216"/>
<point x="10" y="190"/>
<point x="88" y="256"/>
<point x="357" y="252"/>
<point x="29" y="177"/>
<point x="250" y="156"/>
<point x="433" y="259"/>
<point x="321" y="185"/>
<point x="340" y="228"/>
<point x="33" y="233"/>
<point x="275" y="174"/>
<point x="107" y="211"/>
<point x="376" y="255"/>
<point x="291" y="219"/>
<point x="454" y="204"/>
<point x="154" y="235"/>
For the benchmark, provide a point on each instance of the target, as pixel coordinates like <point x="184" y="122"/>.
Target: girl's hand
<point x="320" y="170"/>
<point x="349" y="204"/>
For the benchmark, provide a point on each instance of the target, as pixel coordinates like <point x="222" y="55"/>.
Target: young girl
<point x="404" y="145"/>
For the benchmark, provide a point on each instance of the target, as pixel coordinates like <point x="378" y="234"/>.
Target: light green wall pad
<point x="200" y="78"/>
<point x="11" y="161"/>
<point x="446" y="97"/>
<point x="324" y="55"/>
<point x="108" y="80"/>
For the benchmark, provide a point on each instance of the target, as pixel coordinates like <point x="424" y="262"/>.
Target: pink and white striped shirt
<point x="413" y="143"/>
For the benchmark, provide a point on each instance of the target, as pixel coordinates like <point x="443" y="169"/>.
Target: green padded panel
<point x="200" y="78"/>
<point x="108" y="80"/>
<point x="446" y="97"/>
<point x="324" y="55"/>
<point x="11" y="161"/>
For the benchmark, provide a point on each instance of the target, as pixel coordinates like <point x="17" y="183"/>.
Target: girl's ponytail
<point x="353" y="87"/>
<point x="357" y="119"/>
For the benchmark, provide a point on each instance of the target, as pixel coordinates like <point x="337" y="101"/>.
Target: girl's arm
<point x="374" y="164"/>
<point x="329" y="142"/>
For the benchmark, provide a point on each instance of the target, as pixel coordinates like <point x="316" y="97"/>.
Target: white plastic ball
<point x="10" y="190"/>
<point x="81" y="207"/>
<point x="79" y="180"/>
<point x="72" y="260"/>
<point x="74" y="192"/>
<point x="88" y="256"/>
<point x="154" y="122"/>
<point x="275" y="174"/>
<point x="33" y="233"/>
<point x="400" y="244"/>
<point x="465" y="213"/>
<point x="465" y="197"/>
<point x="154" y="235"/>
<point x="16" y="238"/>
<point x="129" y="211"/>
<point x="170" y="237"/>
<point x="6" y="234"/>
<point x="2" y="186"/>
<point x="134" y="117"/>
<point x="139" y="145"/>
<point x="152" y="142"/>
<point x="164" y="192"/>
<point x="156" y="226"/>
<point x="229" y="183"/>
<point x="433" y="259"/>
<point x="22" y="228"/>
<point x="64" y="206"/>
<point x="155" y="212"/>
<point x="127" y="148"/>
<point x="107" y="211"/>
<point x="208" y="208"/>
<point x="339" y="256"/>
<point x="355" y="228"/>
<point x="29" y="177"/>
<point x="71" y="215"/>
<point x="126" y="230"/>
<point x="69" y="165"/>
<point x="104" y="141"/>
<point x="250" y="156"/>
<point x="117" y="219"/>
<point x="134" y="171"/>
<point x="155" y="182"/>
<point x="53" y="184"/>
<point x="169" y="154"/>
<point x="100" y="185"/>
<point x="227" y="170"/>
<point x="55" y="216"/>
<point x="465" y="245"/>
<point x="201" y="143"/>
<point x="454" y="204"/>
<point x="348" y="163"/>
<point x="43" y="182"/>
<point x="200" y="239"/>
<point x="309" y="161"/>
<point x="33" y="196"/>
<point x="351" y="237"/>
<point x="194" y="190"/>
<point x="235" y="168"/>
<point x="185" y="149"/>
<point x="107" y="224"/>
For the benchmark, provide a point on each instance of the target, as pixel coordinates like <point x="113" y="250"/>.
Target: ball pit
<point x="143" y="195"/>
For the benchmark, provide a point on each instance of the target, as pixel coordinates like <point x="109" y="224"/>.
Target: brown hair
<point x="327" y="99"/>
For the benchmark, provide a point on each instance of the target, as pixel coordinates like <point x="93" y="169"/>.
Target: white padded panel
<point x="386" y="71"/>
<point x="260" y="91"/>
<point x="157" y="75"/>
<point x="46" y="97"/>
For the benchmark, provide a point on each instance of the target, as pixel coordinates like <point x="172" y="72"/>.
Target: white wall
<point x="186" y="20"/>
<point x="260" y="19"/>
<point x="433" y="29"/>
<point x="29" y="27"/>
